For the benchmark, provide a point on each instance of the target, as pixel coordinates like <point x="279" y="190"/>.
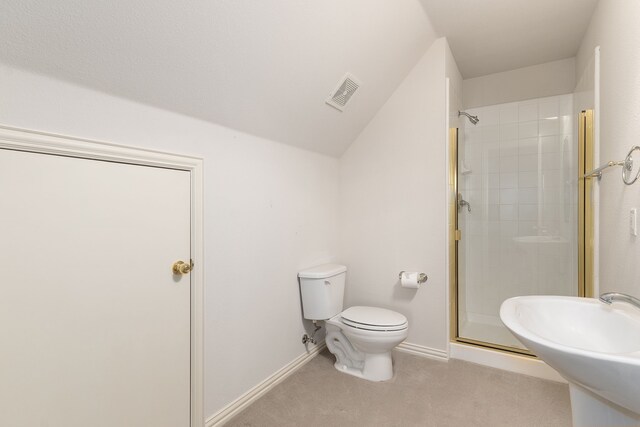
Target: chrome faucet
<point x="462" y="203"/>
<point x="611" y="297"/>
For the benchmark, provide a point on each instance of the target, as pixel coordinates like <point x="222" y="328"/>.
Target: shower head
<point x="473" y="119"/>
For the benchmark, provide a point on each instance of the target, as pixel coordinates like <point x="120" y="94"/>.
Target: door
<point x="94" y="326"/>
<point x="516" y="212"/>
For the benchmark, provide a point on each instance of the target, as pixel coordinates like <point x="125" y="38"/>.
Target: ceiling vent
<point x="343" y="92"/>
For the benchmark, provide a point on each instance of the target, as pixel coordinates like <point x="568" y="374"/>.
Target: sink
<point x="594" y="346"/>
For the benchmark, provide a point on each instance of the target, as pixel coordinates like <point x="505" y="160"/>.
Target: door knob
<point x="181" y="267"/>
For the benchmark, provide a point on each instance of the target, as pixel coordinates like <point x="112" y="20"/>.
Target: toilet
<point x="361" y="338"/>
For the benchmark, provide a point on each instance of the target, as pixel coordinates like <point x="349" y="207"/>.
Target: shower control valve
<point x="462" y="203"/>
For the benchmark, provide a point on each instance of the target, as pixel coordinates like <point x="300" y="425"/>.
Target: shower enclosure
<point x="518" y="210"/>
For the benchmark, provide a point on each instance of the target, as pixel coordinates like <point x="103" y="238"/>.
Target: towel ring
<point x="627" y="167"/>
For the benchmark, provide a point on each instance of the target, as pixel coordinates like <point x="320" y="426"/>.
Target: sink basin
<point x="595" y="346"/>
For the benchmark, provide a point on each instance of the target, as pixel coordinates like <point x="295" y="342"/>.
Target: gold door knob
<point x="181" y="267"/>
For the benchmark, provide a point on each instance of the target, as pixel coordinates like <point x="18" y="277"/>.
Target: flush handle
<point x="181" y="267"/>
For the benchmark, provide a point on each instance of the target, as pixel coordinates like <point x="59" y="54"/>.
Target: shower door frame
<point x="585" y="228"/>
<point x="585" y="204"/>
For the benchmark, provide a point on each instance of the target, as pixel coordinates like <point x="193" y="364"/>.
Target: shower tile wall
<point x="517" y="169"/>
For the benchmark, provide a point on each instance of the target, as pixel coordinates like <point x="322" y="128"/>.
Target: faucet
<point x="462" y="203"/>
<point x="611" y="297"/>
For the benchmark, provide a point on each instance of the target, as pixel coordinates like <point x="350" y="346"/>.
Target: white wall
<point x="614" y="27"/>
<point x="455" y="87"/>
<point x="551" y="78"/>
<point x="270" y="210"/>
<point x="392" y="203"/>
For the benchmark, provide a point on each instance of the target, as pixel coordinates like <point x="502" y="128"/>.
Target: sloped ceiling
<point x="265" y="66"/>
<point x="490" y="36"/>
<point x="262" y="67"/>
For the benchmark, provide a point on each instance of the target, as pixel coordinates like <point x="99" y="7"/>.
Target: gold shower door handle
<point x="181" y="267"/>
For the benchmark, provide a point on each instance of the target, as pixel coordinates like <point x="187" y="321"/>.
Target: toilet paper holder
<point x="422" y="278"/>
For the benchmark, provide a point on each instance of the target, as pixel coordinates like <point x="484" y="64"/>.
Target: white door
<point x="94" y="326"/>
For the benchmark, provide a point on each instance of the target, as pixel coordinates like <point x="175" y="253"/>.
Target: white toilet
<point x="361" y="338"/>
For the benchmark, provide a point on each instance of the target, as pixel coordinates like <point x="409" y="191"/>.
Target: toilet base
<point x="376" y="367"/>
<point x="361" y="352"/>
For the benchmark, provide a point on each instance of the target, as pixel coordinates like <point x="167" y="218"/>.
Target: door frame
<point x="47" y="143"/>
<point x="586" y="149"/>
<point x="586" y="224"/>
<point x="455" y="235"/>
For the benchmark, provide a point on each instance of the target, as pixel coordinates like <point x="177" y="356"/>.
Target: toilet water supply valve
<point x="309" y="339"/>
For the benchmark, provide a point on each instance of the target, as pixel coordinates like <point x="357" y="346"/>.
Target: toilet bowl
<point x="362" y="338"/>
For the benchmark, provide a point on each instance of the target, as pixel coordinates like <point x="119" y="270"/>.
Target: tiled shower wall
<point x="517" y="168"/>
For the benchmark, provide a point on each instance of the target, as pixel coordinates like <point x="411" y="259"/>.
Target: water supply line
<point x="310" y="339"/>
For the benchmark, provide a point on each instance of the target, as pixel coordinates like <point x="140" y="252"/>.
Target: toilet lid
<point x="373" y="318"/>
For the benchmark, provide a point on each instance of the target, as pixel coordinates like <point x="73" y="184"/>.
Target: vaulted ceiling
<point x="490" y="36"/>
<point x="265" y="67"/>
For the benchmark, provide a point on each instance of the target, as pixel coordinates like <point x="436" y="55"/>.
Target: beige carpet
<point x="424" y="392"/>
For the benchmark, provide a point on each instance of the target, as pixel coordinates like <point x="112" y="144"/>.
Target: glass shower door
<point x="517" y="211"/>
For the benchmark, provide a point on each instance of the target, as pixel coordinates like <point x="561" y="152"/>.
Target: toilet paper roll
<point x="409" y="279"/>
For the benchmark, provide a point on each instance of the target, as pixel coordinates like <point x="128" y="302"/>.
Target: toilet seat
<point x="373" y="319"/>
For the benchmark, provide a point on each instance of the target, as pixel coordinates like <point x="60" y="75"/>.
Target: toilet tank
<point x="322" y="289"/>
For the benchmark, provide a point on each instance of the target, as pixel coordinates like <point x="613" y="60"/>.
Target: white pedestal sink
<point x="595" y="346"/>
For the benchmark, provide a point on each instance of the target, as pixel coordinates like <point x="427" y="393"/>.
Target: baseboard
<point x="507" y="362"/>
<point x="422" y="351"/>
<point x="225" y="414"/>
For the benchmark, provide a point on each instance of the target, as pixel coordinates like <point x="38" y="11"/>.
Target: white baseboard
<point x="507" y="362"/>
<point x="225" y="414"/>
<point x="422" y="351"/>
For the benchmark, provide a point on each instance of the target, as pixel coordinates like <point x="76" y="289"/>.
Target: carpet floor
<point x="423" y="392"/>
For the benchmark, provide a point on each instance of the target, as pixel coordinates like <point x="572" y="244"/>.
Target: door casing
<point x="47" y="143"/>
